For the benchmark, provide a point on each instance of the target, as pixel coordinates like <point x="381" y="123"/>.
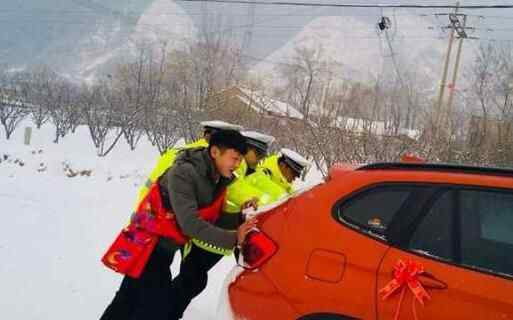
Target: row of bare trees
<point x="161" y="94"/>
<point x="40" y="94"/>
<point x="164" y="94"/>
<point x="383" y="120"/>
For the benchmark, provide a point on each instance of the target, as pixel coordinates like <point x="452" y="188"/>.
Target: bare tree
<point x="490" y="107"/>
<point x="96" y="105"/>
<point x="12" y="108"/>
<point x="196" y="74"/>
<point x="60" y="95"/>
<point x="483" y="72"/>
<point x="304" y="78"/>
<point x="34" y="89"/>
<point x="129" y="86"/>
<point x="165" y="127"/>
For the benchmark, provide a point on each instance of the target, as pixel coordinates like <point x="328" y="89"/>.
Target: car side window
<point x="434" y="235"/>
<point x="487" y="230"/>
<point x="373" y="210"/>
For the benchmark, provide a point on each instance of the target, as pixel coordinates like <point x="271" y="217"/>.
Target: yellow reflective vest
<point x="267" y="184"/>
<point x="165" y="161"/>
<point x="230" y="213"/>
<point x="271" y="168"/>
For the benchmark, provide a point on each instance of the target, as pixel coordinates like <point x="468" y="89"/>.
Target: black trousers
<point x="147" y="297"/>
<point x="191" y="280"/>
<point x="155" y="295"/>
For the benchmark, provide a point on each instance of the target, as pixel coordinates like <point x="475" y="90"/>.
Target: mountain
<point x="162" y="21"/>
<point x="84" y="38"/>
<point x="362" y="50"/>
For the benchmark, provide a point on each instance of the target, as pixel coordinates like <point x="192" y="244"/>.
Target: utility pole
<point x="458" y="26"/>
<point x="205" y="20"/>
<point x="443" y="82"/>
<point x="461" y="35"/>
<point x="247" y="39"/>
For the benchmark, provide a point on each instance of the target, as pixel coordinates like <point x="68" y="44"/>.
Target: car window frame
<point x="387" y="237"/>
<point x="457" y="224"/>
<point x="399" y="244"/>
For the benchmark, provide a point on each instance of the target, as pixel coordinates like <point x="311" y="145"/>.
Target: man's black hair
<point x="229" y="139"/>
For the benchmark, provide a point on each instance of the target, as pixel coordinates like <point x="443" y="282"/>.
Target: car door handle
<point x="430" y="281"/>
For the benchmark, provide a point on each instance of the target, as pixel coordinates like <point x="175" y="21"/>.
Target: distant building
<point x="253" y="106"/>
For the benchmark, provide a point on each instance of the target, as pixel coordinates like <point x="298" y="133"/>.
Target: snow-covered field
<point x="55" y="228"/>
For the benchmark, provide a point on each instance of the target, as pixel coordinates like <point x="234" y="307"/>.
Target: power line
<point x="260" y="24"/>
<point x="260" y="31"/>
<point x="35" y="13"/>
<point x="490" y="17"/>
<point x="339" y="5"/>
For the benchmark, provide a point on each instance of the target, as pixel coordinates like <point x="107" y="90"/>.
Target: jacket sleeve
<point x="182" y="197"/>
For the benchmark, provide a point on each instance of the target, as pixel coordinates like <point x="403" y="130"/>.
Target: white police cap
<point x="220" y="125"/>
<point x="258" y="140"/>
<point x="294" y="160"/>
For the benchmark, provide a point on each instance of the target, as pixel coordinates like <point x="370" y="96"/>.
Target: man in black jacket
<point x="195" y="180"/>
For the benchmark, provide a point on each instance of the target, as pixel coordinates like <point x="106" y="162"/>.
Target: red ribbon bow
<point x="406" y="276"/>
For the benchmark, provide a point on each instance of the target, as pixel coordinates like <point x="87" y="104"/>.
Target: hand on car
<point x="244" y="229"/>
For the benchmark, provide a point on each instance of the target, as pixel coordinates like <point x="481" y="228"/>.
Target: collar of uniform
<point x="271" y="164"/>
<point x="200" y="143"/>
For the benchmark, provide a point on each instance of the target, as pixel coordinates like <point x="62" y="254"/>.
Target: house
<point x="241" y="103"/>
<point x="375" y="127"/>
<point x="252" y="107"/>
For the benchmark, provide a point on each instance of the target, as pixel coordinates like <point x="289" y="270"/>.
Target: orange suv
<point x="384" y="241"/>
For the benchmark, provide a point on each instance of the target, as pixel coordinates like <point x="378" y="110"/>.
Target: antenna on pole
<point x="384" y="25"/>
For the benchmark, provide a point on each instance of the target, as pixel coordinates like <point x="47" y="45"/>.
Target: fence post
<point x="28" y="135"/>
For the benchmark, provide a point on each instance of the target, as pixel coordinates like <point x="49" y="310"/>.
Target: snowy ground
<point x="56" y="228"/>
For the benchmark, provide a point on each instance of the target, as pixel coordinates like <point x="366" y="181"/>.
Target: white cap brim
<point x="220" y="125"/>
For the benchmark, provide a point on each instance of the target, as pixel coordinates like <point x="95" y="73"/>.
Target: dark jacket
<point x="191" y="183"/>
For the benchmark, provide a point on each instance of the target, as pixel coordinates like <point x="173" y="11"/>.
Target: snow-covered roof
<point x="411" y="133"/>
<point x="375" y="127"/>
<point x="360" y="125"/>
<point x="262" y="103"/>
<point x="17" y="102"/>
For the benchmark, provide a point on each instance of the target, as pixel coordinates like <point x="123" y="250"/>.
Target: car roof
<point x="503" y="172"/>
